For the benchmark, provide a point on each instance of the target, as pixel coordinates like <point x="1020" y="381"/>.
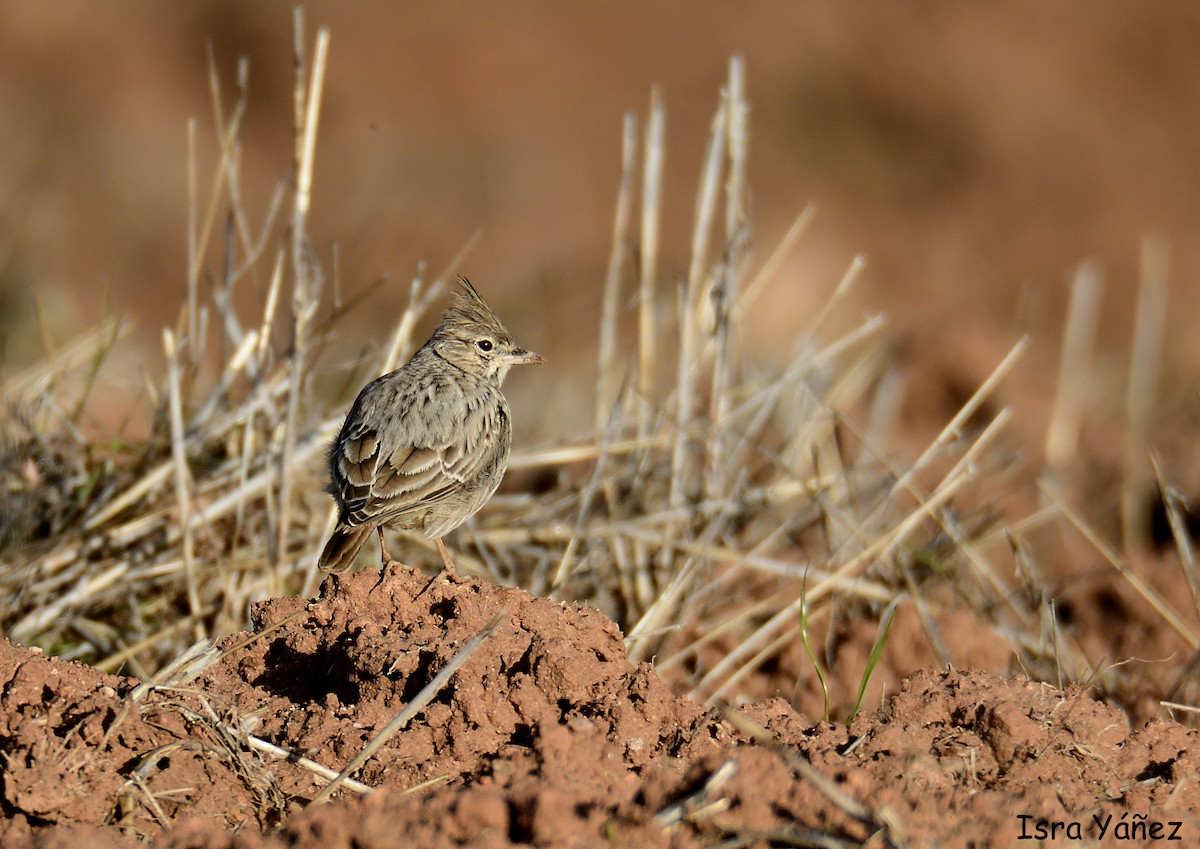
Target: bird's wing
<point x="417" y="450"/>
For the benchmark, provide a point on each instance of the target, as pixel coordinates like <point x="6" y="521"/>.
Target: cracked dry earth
<point x="548" y="736"/>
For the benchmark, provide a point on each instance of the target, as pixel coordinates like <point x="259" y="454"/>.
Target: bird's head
<point x="472" y="338"/>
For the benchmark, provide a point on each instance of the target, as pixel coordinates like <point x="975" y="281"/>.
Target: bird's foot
<point x="392" y="565"/>
<point x="448" y="571"/>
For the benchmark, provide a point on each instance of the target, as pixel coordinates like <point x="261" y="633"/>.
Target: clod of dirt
<point x="546" y="736"/>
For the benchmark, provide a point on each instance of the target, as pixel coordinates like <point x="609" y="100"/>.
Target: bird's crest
<point x="469" y="309"/>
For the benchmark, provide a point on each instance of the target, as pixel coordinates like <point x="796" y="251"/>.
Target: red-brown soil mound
<point x="547" y="736"/>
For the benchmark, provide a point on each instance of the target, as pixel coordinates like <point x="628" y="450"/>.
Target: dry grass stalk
<point x="1161" y="605"/>
<point x="724" y="292"/>
<point x="1149" y="324"/>
<point x="1079" y="337"/>
<point x="684" y="466"/>
<point x="606" y="355"/>
<point x="1175" y="504"/>
<point x="648" y="324"/>
<point x="305" y="274"/>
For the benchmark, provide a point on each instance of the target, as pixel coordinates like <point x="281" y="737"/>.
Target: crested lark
<point x="424" y="447"/>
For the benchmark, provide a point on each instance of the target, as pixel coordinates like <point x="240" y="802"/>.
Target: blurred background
<point x="974" y="153"/>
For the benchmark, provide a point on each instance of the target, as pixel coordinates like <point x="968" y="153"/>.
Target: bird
<point x="425" y="446"/>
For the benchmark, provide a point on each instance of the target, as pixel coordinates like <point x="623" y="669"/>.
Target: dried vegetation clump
<point x="732" y="516"/>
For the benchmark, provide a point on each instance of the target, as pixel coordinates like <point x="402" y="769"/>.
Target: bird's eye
<point x="484" y="345"/>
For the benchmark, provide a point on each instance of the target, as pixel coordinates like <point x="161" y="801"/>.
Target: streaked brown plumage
<point x="424" y="447"/>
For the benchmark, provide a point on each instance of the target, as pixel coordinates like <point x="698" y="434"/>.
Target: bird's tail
<point x="343" y="545"/>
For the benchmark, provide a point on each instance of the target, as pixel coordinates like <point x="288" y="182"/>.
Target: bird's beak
<point x="521" y="357"/>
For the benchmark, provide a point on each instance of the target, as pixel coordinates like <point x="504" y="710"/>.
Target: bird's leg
<point x="385" y="559"/>
<point x="447" y="563"/>
<point x="447" y="568"/>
